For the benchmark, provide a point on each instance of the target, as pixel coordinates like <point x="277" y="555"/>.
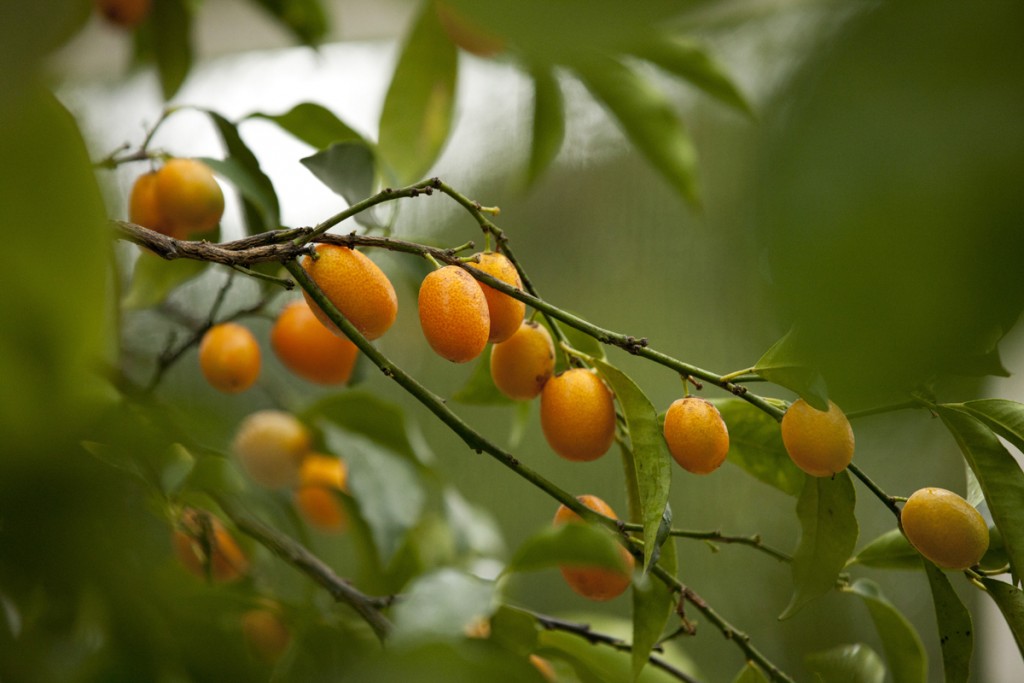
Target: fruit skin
<point x="188" y="196"/>
<point x="229" y="357"/>
<point x="696" y="435"/>
<point x="144" y="208"/>
<point x="595" y="583"/>
<point x="819" y="442"/>
<point x="266" y="634"/>
<point x="944" y="528"/>
<point x="577" y="415"/>
<point x="319" y="478"/>
<point x="356" y="286"/>
<point x="453" y="314"/>
<point x="270" y="445"/>
<point x="522" y="364"/>
<point x="310" y="350"/>
<point x="124" y="13"/>
<point x="201" y="533"/>
<point x="506" y="313"/>
<point x="467" y="34"/>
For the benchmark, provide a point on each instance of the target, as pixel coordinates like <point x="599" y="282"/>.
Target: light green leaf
<point x="604" y="664"/>
<point x="956" y="630"/>
<point x="571" y="544"/>
<point x="891" y="550"/>
<point x="314" y="124"/>
<point x="651" y="459"/>
<point x="648" y="120"/>
<point x="750" y="674"/>
<point x="903" y="648"/>
<point x="218" y="475"/>
<point x="440" y="606"/>
<point x="479" y="389"/>
<point x="998" y="472"/>
<point x="417" y="113"/>
<point x="1010" y="601"/>
<point x="653" y="604"/>
<point x="847" y="664"/>
<point x="173" y="467"/>
<point x="548" y="121"/>
<point x="154" y="278"/>
<point x="515" y="630"/>
<point x="828" y="535"/>
<point x="258" y="217"/>
<point x="347" y="168"/>
<point x="171" y="40"/>
<point x="755" y="445"/>
<point x="304" y="18"/>
<point x="784" y="364"/>
<point x="474" y="530"/>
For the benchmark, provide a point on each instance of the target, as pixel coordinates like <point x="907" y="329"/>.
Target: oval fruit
<point x="309" y="349"/>
<point x="206" y="549"/>
<point x="320" y="478"/>
<point x="229" y="357"/>
<point x="595" y="583"/>
<point x="356" y="286"/>
<point x="144" y="208"/>
<point x="270" y="445"/>
<point x="453" y="314"/>
<point x="696" y="435"/>
<point x="522" y="364"/>
<point x="506" y="313"/>
<point x="189" y="197"/>
<point x="944" y="528"/>
<point x="819" y="442"/>
<point x="577" y="415"/>
<point x="266" y="633"/>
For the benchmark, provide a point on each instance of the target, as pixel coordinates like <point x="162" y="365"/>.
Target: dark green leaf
<point x="347" y="168"/>
<point x="828" y="535"/>
<point x="253" y="190"/>
<point x="605" y="664"/>
<point x="997" y="471"/>
<point x="314" y="124"/>
<point x="572" y="544"/>
<point x="548" y="121"/>
<point x="956" y="631"/>
<point x="304" y="18"/>
<point x="903" y="648"/>
<point x="847" y="664"/>
<point x="1010" y="601"/>
<point x="479" y="389"/>
<point x="440" y="606"/>
<point x="891" y="550"/>
<point x="515" y="630"/>
<point x="171" y="26"/>
<point x="782" y="364"/>
<point x="651" y="459"/>
<point x="750" y="674"/>
<point x="755" y="444"/>
<point x="255" y="220"/>
<point x="154" y="278"/>
<point x="653" y="604"/>
<point x="417" y="111"/>
<point x="648" y="120"/>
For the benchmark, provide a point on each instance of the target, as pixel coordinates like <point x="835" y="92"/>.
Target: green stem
<point x="733" y="376"/>
<point x="890" y="502"/>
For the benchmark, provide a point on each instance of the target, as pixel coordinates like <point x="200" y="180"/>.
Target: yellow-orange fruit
<point x="229" y="357"/>
<point x="188" y="196"/>
<point x="466" y="33"/>
<point x="144" y="208"/>
<point x="206" y="549"/>
<point x="595" y="583"/>
<point x="506" y="313"/>
<point x="522" y="364"/>
<point x="320" y="477"/>
<point x="124" y="13"/>
<point x="819" y="442"/>
<point x="545" y="668"/>
<point x="309" y="349"/>
<point x="270" y="445"/>
<point x="453" y="314"/>
<point x="945" y="528"/>
<point x="577" y="415"/>
<point x="266" y="633"/>
<point x="696" y="435"/>
<point x="356" y="286"/>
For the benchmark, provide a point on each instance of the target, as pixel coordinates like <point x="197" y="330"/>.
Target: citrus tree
<point x="219" y="466"/>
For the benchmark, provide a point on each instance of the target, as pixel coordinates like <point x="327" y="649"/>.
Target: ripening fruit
<point x="945" y="528"/>
<point x="467" y="34"/>
<point x="696" y="435"/>
<point x="595" y="583"/>
<point x="188" y="196"/>
<point x="206" y="549"/>
<point x="229" y="357"/>
<point x="356" y="286"/>
<point x="309" y="349"/>
<point x="522" y="365"/>
<point x="577" y="415"/>
<point x="124" y="13"/>
<point x="143" y="208"/>
<point x="506" y="313"/>
<point x="819" y="442"/>
<point x="320" y="477"/>
<point x="270" y="445"/>
<point x="265" y="633"/>
<point x="453" y="314"/>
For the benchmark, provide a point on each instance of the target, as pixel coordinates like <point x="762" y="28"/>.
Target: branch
<point x="718" y="537"/>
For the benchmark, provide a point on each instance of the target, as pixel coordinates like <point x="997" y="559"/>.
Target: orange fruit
<point x="356" y="286"/>
<point x="229" y="357"/>
<point x="188" y="196"/>
<point x="453" y="314"/>
<point x="206" y="549"/>
<point x="577" y="415"/>
<point x="124" y="13"/>
<point x="506" y="313"/>
<point x="466" y="33"/>
<point x="270" y="445"/>
<point x="309" y="349"/>
<point x="696" y="435"/>
<point x="143" y="207"/>
<point x="266" y="634"/>
<point x="819" y="442"/>
<point x="522" y="364"/>
<point x="319" y="478"/>
<point x="595" y="583"/>
<point x="945" y="528"/>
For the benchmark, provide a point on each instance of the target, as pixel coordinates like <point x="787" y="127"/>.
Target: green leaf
<point x="171" y="40"/>
<point x="998" y="472"/>
<point x="828" y="535"/>
<point x="515" y="630"/>
<point x="173" y="466"/>
<point x="548" y="121"/>
<point x="846" y="664"/>
<point x="253" y="190"/>
<point x="891" y="550"/>
<point x="956" y="631"/>
<point x="755" y="445"/>
<point x="691" y="62"/>
<point x="440" y="606"/>
<point x="651" y="459"/>
<point x="417" y="113"/>
<point x="304" y="18"/>
<point x="648" y="120"/>
<point x="750" y="674"/>
<point x="903" y="648"/>
<point x="479" y="389"/>
<point x="256" y="220"/>
<point x="314" y="124"/>
<point x="653" y="604"/>
<point x="604" y="664"/>
<point x="154" y="278"/>
<point x="347" y="168"/>
<point x="218" y="475"/>
<point x="571" y="544"/>
<point x="782" y="364"/>
<point x="1010" y="601"/>
<point x="474" y="530"/>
